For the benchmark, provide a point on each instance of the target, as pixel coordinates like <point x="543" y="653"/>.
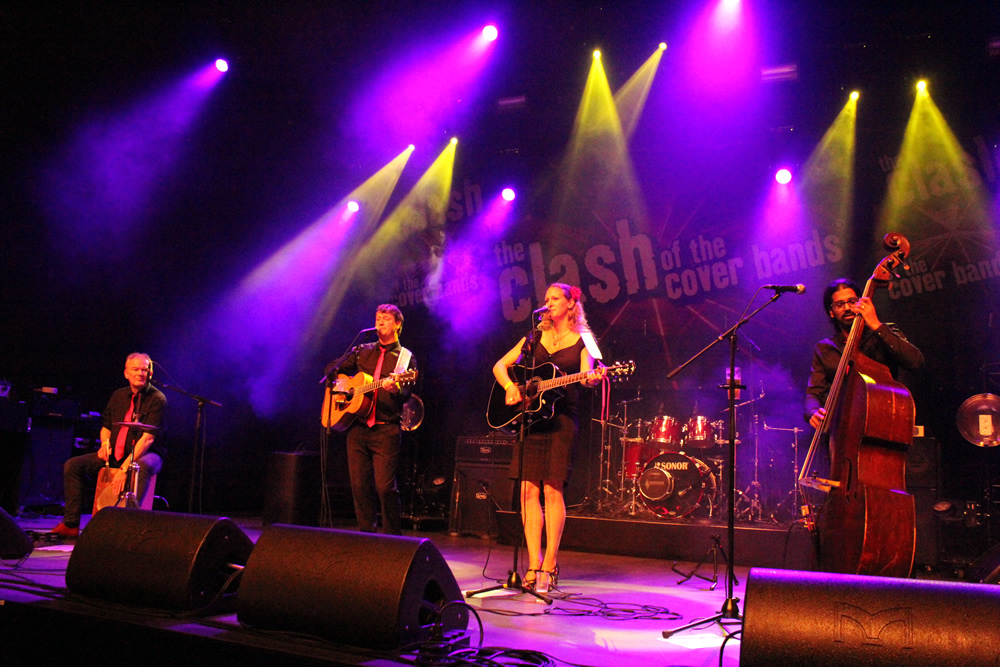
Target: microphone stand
<point x="198" y="454"/>
<point x="730" y="608"/>
<point x="514" y="581"/>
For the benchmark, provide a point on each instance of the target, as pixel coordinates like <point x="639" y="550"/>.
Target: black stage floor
<point x="610" y="609"/>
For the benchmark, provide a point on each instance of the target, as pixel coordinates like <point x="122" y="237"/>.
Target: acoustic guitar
<point x="541" y="406"/>
<point x="348" y="397"/>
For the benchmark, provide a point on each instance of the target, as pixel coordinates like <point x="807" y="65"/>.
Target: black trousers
<point x="373" y="461"/>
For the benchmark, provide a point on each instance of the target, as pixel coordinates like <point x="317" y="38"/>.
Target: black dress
<point x="548" y="449"/>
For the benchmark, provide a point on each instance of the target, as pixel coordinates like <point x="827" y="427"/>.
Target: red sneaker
<point x="65" y="531"/>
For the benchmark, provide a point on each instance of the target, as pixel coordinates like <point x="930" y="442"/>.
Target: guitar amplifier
<point x="485" y="450"/>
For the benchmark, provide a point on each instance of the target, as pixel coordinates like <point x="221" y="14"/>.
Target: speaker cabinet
<point x="478" y="491"/>
<point x="810" y="618"/>
<point x="292" y="494"/>
<point x="155" y="559"/>
<point x="14" y="542"/>
<point x="358" y="589"/>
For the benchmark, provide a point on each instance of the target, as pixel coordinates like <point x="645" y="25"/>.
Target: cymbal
<point x="138" y="425"/>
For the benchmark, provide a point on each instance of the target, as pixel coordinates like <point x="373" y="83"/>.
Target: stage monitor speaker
<point x="812" y="618"/>
<point x="356" y="589"/>
<point x="14" y="542"/>
<point x="292" y="493"/>
<point x="156" y="559"/>
<point x="477" y="492"/>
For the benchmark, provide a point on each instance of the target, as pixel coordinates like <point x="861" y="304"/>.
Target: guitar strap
<point x="591" y="344"/>
<point x="402" y="361"/>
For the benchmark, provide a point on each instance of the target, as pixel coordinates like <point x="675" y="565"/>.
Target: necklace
<point x="556" y="339"/>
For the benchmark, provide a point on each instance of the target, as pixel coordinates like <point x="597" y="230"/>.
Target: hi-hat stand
<point x="730" y="608"/>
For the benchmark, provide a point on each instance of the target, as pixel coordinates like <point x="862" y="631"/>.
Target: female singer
<point x="548" y="449"/>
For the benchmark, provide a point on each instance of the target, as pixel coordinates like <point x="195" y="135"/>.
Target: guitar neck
<point x="562" y="381"/>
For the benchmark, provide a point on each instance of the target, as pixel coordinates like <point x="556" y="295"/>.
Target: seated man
<point x="139" y="402"/>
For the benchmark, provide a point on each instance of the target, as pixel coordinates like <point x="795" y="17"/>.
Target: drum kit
<point x="670" y="467"/>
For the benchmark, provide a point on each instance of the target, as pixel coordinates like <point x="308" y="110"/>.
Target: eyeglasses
<point x="840" y="305"/>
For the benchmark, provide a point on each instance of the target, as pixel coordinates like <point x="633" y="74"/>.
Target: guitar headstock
<point x="407" y="377"/>
<point x="620" y="369"/>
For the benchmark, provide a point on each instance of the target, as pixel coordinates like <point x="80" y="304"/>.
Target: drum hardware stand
<point x="712" y="551"/>
<point x="606" y="490"/>
<point x="753" y="490"/>
<point x="795" y="495"/>
<point x="730" y="608"/>
<point x="514" y="581"/>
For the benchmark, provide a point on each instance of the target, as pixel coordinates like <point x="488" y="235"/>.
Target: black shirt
<point x="364" y="358"/>
<point x="152" y="411"/>
<point x="886" y="345"/>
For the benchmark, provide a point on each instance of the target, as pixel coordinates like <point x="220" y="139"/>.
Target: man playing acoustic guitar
<point x="374" y="436"/>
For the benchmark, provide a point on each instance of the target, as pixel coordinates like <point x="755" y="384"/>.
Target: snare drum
<point x="699" y="433"/>
<point x="673" y="485"/>
<point x="665" y="434"/>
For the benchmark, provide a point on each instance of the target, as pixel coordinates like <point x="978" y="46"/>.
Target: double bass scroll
<point x="868" y="525"/>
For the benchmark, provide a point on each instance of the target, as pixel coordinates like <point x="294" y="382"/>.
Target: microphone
<point x="781" y="289"/>
<point x="540" y="311"/>
<point x="373" y="328"/>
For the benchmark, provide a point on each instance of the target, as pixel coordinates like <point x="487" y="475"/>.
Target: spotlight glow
<point x="508" y="194"/>
<point x="663" y="46"/>
<point x="783" y="176"/>
<point x="221" y="65"/>
<point x="855" y="95"/>
<point x="411" y="147"/>
<point x="922" y="86"/>
<point x="490" y="33"/>
<point x="454" y="140"/>
<point x="597" y="55"/>
<point x="352" y="206"/>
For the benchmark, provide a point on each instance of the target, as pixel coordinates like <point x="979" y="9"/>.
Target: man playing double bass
<point x="881" y="342"/>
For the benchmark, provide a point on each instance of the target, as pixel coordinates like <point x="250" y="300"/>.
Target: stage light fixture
<point x="411" y="147"/>
<point x="490" y="33"/>
<point x="221" y="65"/>
<point x="597" y="55"/>
<point x="352" y="206"/>
<point x="663" y="46"/>
<point x="922" y="86"/>
<point x="454" y="140"/>
<point x="783" y="176"/>
<point x="508" y="194"/>
<point x="855" y="95"/>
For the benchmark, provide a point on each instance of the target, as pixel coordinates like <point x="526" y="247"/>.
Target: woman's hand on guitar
<point x="595" y="376"/>
<point x="817" y="418"/>
<point x="513" y="394"/>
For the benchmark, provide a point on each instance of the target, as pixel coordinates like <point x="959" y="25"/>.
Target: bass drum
<point x="673" y="485"/>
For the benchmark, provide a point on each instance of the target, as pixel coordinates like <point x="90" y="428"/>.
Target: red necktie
<point x="378" y="371"/>
<point x="123" y="432"/>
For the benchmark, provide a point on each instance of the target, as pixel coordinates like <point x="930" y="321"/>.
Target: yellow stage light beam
<point x="630" y="99"/>
<point x="412" y="232"/>
<point x="935" y="193"/>
<point x="596" y="178"/>
<point x="827" y="185"/>
<point x="327" y="232"/>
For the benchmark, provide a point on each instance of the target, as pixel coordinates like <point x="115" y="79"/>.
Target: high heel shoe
<point x="530" y="583"/>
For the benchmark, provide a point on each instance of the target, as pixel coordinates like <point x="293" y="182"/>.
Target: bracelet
<point x="508" y="385"/>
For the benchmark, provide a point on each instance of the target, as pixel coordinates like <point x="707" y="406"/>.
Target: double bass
<point x="868" y="521"/>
